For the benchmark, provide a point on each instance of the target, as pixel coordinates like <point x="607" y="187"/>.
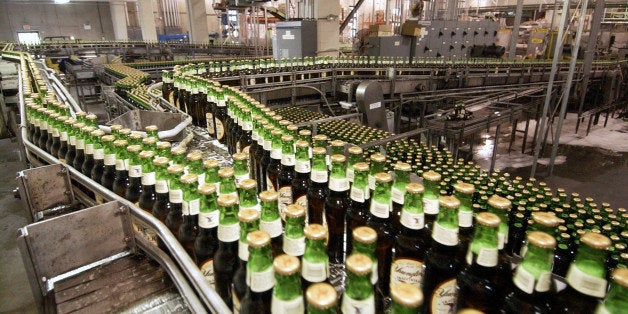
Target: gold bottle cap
<point x="414" y="188"/>
<point x="292" y="128"/>
<point x="134" y="148"/>
<point x="402" y="166"/>
<point x="175" y="169"/>
<point x="383" y="177"/>
<point x="321" y="296"/>
<point x="487" y="219"/>
<point x="548" y="219"/>
<point x="54" y="115"/>
<point x="189" y="178"/>
<point x="151" y="128"/>
<point x="364" y="235"/>
<point x="305" y="132"/>
<point x="149" y="140"/>
<point x="431" y="175"/>
<point x="248" y="215"/>
<point x="319" y="137"/>
<point x="464" y="188"/>
<point x="359" y="264"/>
<point x="407" y="295"/>
<point x="146" y="154"/>
<point x="135" y="136"/>
<point x="78" y="125"/>
<point x="98" y="133"/>
<point x="355" y="150"/>
<point x="286" y="265"/>
<point x="449" y="202"/>
<point x="541" y="239"/>
<point x="257" y="238"/>
<point x="268" y="196"/>
<point x="469" y="311"/>
<point x="194" y="156"/>
<point x="81" y="114"/>
<point x="88" y="129"/>
<point x="227" y="200"/>
<point x="248" y="184"/>
<point x="226" y="172"/>
<point x="302" y="144"/>
<point x="161" y="161"/>
<point x="284" y="122"/>
<point x="596" y="241"/>
<point x="116" y="127"/>
<point x="338" y="158"/>
<point x="91" y="116"/>
<point x="210" y="163"/>
<point x="620" y="276"/>
<point x="207" y="189"/>
<point x="295" y="211"/>
<point x="70" y="121"/>
<point x="315" y="232"/>
<point x="377" y="157"/>
<point x="361" y="166"/>
<point x="179" y="150"/>
<point x="319" y="151"/>
<point x="120" y="143"/>
<point x="338" y="143"/>
<point x="275" y="132"/>
<point x="163" y="145"/>
<point x="499" y="202"/>
<point x="287" y="138"/>
<point x="108" y="138"/>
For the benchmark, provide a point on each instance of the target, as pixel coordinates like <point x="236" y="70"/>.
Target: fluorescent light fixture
<point x="62" y="1"/>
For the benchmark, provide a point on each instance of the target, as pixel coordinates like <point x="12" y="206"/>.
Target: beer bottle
<point x="336" y="205"/>
<point x="227" y="182"/>
<point x="315" y="263"/>
<point x="43" y="138"/>
<point x="532" y="287"/>
<point x="220" y="117"/>
<point x="135" y="139"/>
<point x="163" y="149"/>
<point x="378" y="162"/>
<point x="565" y="251"/>
<point x="210" y="104"/>
<point x="355" y="156"/>
<point x="317" y="192"/>
<point x="406" y="299"/>
<point x="82" y="136"/>
<point x="109" y="170"/>
<point x="63" y="137"/>
<point x="464" y="192"/>
<point x="259" y="272"/>
<point x="321" y="298"/>
<point x="134" y="187"/>
<point x="586" y="277"/>
<point x="358" y="296"/>
<point x="411" y="241"/>
<point x="358" y="211"/>
<point x="274" y="164"/>
<point x="178" y="155"/>
<point x="147" y="196"/>
<point x="190" y="208"/>
<point x="241" y="168"/>
<point x="245" y="140"/>
<point x="95" y="156"/>
<point x="286" y="173"/>
<point x="206" y="242"/>
<point x="442" y="262"/>
<point x="121" y="178"/>
<point x="302" y="169"/>
<point x="195" y="165"/>
<point x="211" y="169"/>
<point x="397" y="194"/>
<point x="72" y="134"/>
<point x="271" y="220"/>
<point x="616" y="300"/>
<point x="294" y="238"/>
<point x="149" y="143"/>
<point x="249" y="222"/>
<point x="365" y="242"/>
<point x="227" y="253"/>
<point x="195" y="103"/>
<point x="262" y="154"/>
<point x="500" y="206"/>
<point x="431" y="182"/>
<point x="287" y="294"/>
<point x="479" y="283"/>
<point x="379" y="220"/>
<point x="175" y="198"/>
<point x="167" y="87"/>
<point x="162" y="205"/>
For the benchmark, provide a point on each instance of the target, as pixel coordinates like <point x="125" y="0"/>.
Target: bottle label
<point x="397" y="196"/>
<point x="247" y="150"/>
<point x="148" y="178"/>
<point x="374" y="272"/>
<point x="275" y="153"/>
<point x="110" y="160"/>
<point x="220" y="129"/>
<point x="120" y="165"/>
<point x="487" y="257"/>
<point x="406" y="270"/>
<point x="358" y="194"/>
<point x="338" y="185"/>
<point x="501" y="239"/>
<point x="319" y="176"/>
<point x="247" y="125"/>
<point x="287" y="160"/>
<point x="350" y="174"/>
<point x="465" y="218"/>
<point x="254" y="135"/>
<point x="525" y="281"/>
<point x="301" y="200"/>
<point x="256" y="207"/>
<point x="243" y="251"/>
<point x="371" y="182"/>
<point x="175" y="196"/>
<point x="445" y="236"/>
<point x="430" y="206"/>
<point x="352" y="306"/>
<point x="294" y="247"/>
<point x="412" y="221"/>
<point x="601" y="309"/>
<point x="55" y="132"/>
<point x="80" y="143"/>
<point x="285" y="199"/>
<point x="192" y="206"/>
<point x="44" y="125"/>
<point x="585" y="283"/>
<point x="208" y="220"/>
<point x="207" y="269"/>
<point x="302" y="166"/>
<point x="161" y="186"/>
<point x="273" y="228"/>
<point x="236" y="302"/>
<point x="64" y="136"/>
<point x="443" y="299"/>
<point x="99" y="154"/>
<point x="270" y="185"/>
<point x="135" y="171"/>
<point x="210" y="123"/>
<point x="240" y="177"/>
<point x="89" y="149"/>
<point x="314" y="272"/>
<point x="73" y="140"/>
<point x="261" y="281"/>
<point x="268" y="144"/>
<point x="229" y="233"/>
<point x="294" y="306"/>
<point x="380" y="210"/>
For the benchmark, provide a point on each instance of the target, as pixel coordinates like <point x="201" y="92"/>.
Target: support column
<point x="515" y="30"/>
<point x="118" y="19"/>
<point x="197" y="18"/>
<point x="147" y="20"/>
<point x="326" y="13"/>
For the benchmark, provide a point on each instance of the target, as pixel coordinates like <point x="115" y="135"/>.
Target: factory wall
<point x="83" y="20"/>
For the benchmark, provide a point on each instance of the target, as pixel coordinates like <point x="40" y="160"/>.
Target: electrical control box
<point x="295" y="39"/>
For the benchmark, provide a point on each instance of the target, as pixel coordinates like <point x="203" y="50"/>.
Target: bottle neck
<point x="270" y="211"/>
<point x="294" y="227"/>
<point x="483" y="249"/>
<point x="287" y="287"/>
<point x="534" y="272"/>
<point x="359" y="287"/>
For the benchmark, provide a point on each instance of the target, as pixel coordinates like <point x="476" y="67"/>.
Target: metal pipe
<point x="572" y="68"/>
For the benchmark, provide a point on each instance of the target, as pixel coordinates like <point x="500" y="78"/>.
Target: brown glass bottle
<point x="206" y="242"/>
<point x="335" y="209"/>
<point x="121" y="177"/>
<point x="147" y="196"/>
<point x="358" y="211"/>
<point x="175" y="197"/>
<point x="190" y="208"/>
<point x="134" y="187"/>
<point x="274" y="165"/>
<point x="249" y="222"/>
<point x="318" y="190"/>
<point x="225" y="259"/>
<point x="302" y="169"/>
<point x="162" y="205"/>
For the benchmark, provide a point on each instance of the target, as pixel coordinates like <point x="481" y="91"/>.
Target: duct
<point x="163" y="14"/>
<point x="176" y="14"/>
